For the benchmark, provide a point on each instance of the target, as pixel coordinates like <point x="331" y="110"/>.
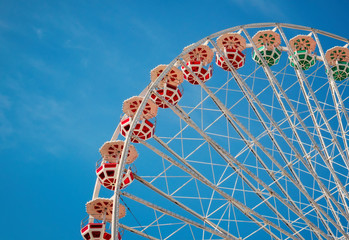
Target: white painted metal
<point x="252" y="98"/>
<point x="332" y="214"/>
<point x="247" y="211"/>
<point x="310" y="168"/>
<point x="172" y="199"/>
<point x="172" y="214"/>
<point x="133" y="230"/>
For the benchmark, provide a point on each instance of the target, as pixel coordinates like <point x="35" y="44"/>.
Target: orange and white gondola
<point x="106" y="174"/>
<point x="101" y="209"/>
<point x="174" y="77"/>
<point x="232" y="45"/>
<point x="111" y="152"/>
<point x="267" y="43"/>
<point x="132" y="104"/>
<point x="338" y="58"/>
<point x="96" y="231"/>
<point x="144" y="128"/>
<point x="170" y="93"/>
<point x="196" y="60"/>
<point x="303" y="48"/>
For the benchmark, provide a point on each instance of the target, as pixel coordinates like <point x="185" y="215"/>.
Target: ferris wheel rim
<point x="224" y="31"/>
<point x="147" y="92"/>
<point x="156" y="82"/>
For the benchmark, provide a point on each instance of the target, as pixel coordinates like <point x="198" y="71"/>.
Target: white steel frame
<point x="330" y="216"/>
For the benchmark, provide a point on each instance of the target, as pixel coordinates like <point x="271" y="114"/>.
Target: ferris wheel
<point x="244" y="135"/>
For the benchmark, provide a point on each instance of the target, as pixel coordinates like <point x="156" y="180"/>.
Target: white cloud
<point x="4" y="25"/>
<point x="267" y="8"/>
<point x="5" y="102"/>
<point x="31" y="115"/>
<point x="145" y="29"/>
<point x="39" y="32"/>
<point x="6" y="127"/>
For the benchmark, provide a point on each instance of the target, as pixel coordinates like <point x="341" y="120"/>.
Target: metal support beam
<point x="121" y="165"/>
<point x="335" y="92"/>
<point x="133" y="230"/>
<point x="343" y="192"/>
<point x="307" y="165"/>
<point x="236" y="125"/>
<point x="174" y="215"/>
<point x="250" y="213"/>
<point x="181" y="205"/>
<point x="251" y="99"/>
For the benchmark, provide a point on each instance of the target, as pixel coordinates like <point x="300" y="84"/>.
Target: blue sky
<point x="66" y="67"/>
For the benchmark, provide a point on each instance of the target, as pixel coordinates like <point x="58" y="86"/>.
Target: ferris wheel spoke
<point x="314" y="174"/>
<point x="243" y="208"/>
<point x="183" y="160"/>
<point x="133" y="230"/>
<point x="262" y="153"/>
<point x="174" y="232"/>
<point x="335" y="95"/>
<point x="230" y="160"/>
<point x="303" y="81"/>
<point x="204" y="99"/>
<point x="181" y="205"/>
<point x="334" y="190"/>
<point x="253" y="98"/>
<point x="334" y="91"/>
<point x="319" y="209"/>
<point x="311" y="170"/>
<point x="174" y="215"/>
<point x="231" y="117"/>
<point x="343" y="193"/>
<point x="222" y="193"/>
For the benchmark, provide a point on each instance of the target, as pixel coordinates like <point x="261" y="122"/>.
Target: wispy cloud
<point x="42" y="67"/>
<point x="4" y="25"/>
<point x="5" y="102"/>
<point x="6" y="127"/>
<point x="266" y="8"/>
<point x="31" y="115"/>
<point x="145" y="29"/>
<point x="39" y="32"/>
